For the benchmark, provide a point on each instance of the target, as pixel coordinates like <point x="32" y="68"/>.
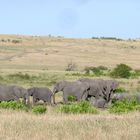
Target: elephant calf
<point x="40" y="93"/>
<point x="100" y="103"/>
<point x="127" y="96"/>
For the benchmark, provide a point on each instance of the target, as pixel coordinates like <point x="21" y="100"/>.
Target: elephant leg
<point x="17" y="99"/>
<point x="34" y="100"/>
<point x="84" y="96"/>
<point x="65" y="99"/>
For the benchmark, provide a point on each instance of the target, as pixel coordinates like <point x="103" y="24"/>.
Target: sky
<point x="71" y="18"/>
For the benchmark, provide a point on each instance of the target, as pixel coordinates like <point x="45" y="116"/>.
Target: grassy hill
<point x="54" y="53"/>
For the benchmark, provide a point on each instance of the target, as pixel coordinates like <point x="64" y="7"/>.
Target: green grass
<point x="30" y="80"/>
<point x="78" y="108"/>
<point x="13" y="105"/>
<point x="39" y="109"/>
<point x="124" y="106"/>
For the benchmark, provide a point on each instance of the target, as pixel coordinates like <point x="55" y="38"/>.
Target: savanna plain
<point x="42" y="61"/>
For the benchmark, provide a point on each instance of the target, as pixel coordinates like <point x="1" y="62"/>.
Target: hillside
<point x="54" y="53"/>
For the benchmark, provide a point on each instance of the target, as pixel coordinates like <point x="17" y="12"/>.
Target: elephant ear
<point x="16" y="90"/>
<point x="61" y="85"/>
<point x="31" y="91"/>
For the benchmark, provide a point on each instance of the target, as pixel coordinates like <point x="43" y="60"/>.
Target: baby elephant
<point x="100" y="103"/>
<point x="40" y="93"/>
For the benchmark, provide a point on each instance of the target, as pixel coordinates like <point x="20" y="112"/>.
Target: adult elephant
<point x="97" y="87"/>
<point x="41" y="93"/>
<point x="76" y="88"/>
<point x="13" y="93"/>
<point x="111" y="86"/>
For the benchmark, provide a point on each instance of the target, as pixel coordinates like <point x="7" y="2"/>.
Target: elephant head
<point x="58" y="87"/>
<point x="31" y="91"/>
<point x="21" y="93"/>
<point x="111" y="86"/>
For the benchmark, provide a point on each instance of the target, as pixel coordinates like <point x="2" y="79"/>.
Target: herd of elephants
<point x="102" y="91"/>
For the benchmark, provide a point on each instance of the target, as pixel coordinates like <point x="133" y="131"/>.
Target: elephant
<point x="13" y="93"/>
<point x="110" y="87"/>
<point x="121" y="97"/>
<point x="100" y="103"/>
<point x="97" y="87"/>
<point x="40" y="93"/>
<point x="76" y="88"/>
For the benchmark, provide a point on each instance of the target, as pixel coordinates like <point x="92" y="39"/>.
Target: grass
<point x="39" y="109"/>
<point x="13" y="105"/>
<point x="21" y="125"/>
<point x="78" y="108"/>
<point x="92" y="52"/>
<point x="35" y="59"/>
<point x="125" y="106"/>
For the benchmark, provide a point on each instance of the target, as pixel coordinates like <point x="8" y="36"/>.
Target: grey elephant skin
<point x="41" y="93"/>
<point x="77" y="89"/>
<point x="100" y="103"/>
<point x="111" y="86"/>
<point x="97" y="87"/>
<point x="127" y="96"/>
<point x="13" y="93"/>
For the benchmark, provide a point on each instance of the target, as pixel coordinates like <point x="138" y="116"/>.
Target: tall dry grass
<point x="51" y="126"/>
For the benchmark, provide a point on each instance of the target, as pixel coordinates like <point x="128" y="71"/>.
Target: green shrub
<point x="124" y="106"/>
<point x="97" y="71"/>
<point x="71" y="98"/>
<point x="13" y="105"/>
<point x="121" y="71"/>
<point x="78" y="108"/>
<point x="120" y="90"/>
<point x="39" y="109"/>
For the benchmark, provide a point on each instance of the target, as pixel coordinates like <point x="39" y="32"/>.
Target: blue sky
<point x="71" y="18"/>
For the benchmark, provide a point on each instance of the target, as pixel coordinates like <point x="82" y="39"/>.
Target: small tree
<point x="121" y="71"/>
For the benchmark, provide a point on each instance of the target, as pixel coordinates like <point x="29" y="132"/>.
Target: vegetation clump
<point x="124" y="106"/>
<point x="121" y="71"/>
<point x="39" y="109"/>
<point x="78" y="108"/>
<point x="13" y="105"/>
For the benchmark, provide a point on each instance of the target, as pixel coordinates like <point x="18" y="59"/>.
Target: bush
<point x="124" y="106"/>
<point x="78" y="108"/>
<point x="97" y="71"/>
<point x="120" y="90"/>
<point x="71" y="98"/>
<point x="13" y="105"/>
<point x="39" y="109"/>
<point x="71" y="66"/>
<point x="121" y="71"/>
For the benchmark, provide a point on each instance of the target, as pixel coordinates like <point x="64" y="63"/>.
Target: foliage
<point x="39" y="109"/>
<point x="13" y="105"/>
<point x="71" y="98"/>
<point x="120" y="90"/>
<point x="121" y="71"/>
<point x="78" y="108"/>
<point x="124" y="106"/>
<point x="97" y="71"/>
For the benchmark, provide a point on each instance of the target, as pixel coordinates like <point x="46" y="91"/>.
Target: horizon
<point x="71" y="19"/>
